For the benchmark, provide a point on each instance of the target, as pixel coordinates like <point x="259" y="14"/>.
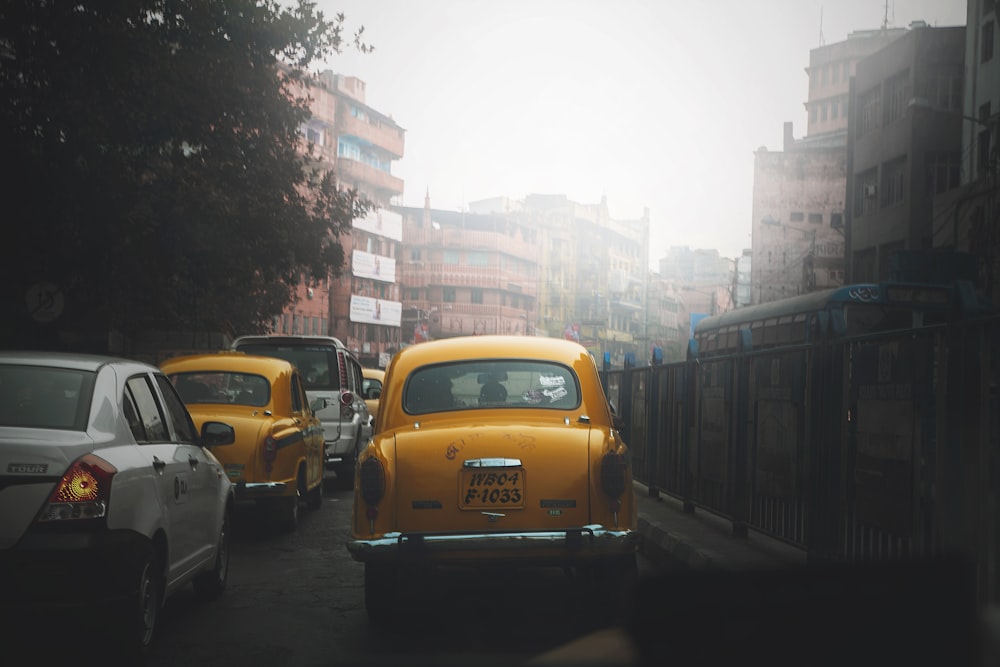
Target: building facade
<point x="798" y="227"/>
<point x="898" y="151"/>
<point x="362" y="306"/>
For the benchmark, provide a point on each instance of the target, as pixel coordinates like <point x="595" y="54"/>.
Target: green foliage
<point x="159" y="180"/>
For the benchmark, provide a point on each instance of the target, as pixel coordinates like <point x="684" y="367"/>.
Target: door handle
<point x="159" y="464"/>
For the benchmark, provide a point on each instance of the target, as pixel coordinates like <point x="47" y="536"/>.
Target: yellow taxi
<point x="371" y="389"/>
<point x="493" y="450"/>
<point x="276" y="460"/>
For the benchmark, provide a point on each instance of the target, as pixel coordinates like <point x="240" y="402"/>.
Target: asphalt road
<point x="297" y="599"/>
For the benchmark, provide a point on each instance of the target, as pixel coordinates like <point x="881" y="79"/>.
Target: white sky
<point x="654" y="103"/>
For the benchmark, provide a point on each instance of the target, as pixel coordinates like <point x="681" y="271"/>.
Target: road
<point x="297" y="599"/>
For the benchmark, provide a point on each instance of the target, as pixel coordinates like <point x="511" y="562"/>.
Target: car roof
<point x="288" y="340"/>
<point x="492" y="347"/>
<point x="75" y="360"/>
<point x="227" y="361"/>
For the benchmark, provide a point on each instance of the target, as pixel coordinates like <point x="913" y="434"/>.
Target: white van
<point x="332" y="373"/>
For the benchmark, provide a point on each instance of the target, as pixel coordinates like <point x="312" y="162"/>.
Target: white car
<point x="110" y="500"/>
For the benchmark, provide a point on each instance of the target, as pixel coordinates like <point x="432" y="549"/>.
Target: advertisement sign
<point x="382" y="222"/>
<point x="376" y="311"/>
<point x="366" y="265"/>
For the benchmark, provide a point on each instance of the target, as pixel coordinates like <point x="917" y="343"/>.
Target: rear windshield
<point x="318" y="363"/>
<point x="491" y="384"/>
<point x="222" y="387"/>
<point x="39" y="397"/>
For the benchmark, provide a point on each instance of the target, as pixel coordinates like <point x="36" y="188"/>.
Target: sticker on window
<point x="555" y="394"/>
<point x="552" y="380"/>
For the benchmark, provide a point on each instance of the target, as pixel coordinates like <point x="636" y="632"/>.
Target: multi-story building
<point x="362" y="306"/>
<point x="897" y="150"/>
<point x="467" y="273"/>
<point x="962" y="179"/>
<point x="798" y="237"/>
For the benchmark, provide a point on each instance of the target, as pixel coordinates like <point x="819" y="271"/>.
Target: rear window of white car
<point x="318" y="364"/>
<point x="491" y="384"/>
<point x="44" y="397"/>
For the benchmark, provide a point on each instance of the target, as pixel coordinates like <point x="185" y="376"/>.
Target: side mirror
<point x="318" y="404"/>
<point x="375" y="393"/>
<point x="618" y="423"/>
<point x="214" y="434"/>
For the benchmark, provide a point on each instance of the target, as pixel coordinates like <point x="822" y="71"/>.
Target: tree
<point x="158" y="175"/>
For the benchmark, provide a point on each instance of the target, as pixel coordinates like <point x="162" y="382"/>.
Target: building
<point x="363" y="305"/>
<point x="467" y="273"/>
<point x="965" y="222"/>
<point x="798" y="233"/>
<point x="900" y="154"/>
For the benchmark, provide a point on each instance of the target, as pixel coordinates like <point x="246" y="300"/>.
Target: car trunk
<point x="506" y="476"/>
<point x="27" y="455"/>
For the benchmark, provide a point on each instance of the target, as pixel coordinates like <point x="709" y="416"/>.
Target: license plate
<point x="483" y="488"/>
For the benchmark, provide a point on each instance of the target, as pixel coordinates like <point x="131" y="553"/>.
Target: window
<point x="413" y="294"/>
<point x="796" y="216"/>
<point x="942" y="87"/>
<point x="178" y="413"/>
<point x="147" y="409"/>
<point x="836" y="72"/>
<point x="823" y="112"/>
<point x="477" y="259"/>
<point x="987" y="41"/>
<point x="477" y="295"/>
<point x="816" y="218"/>
<point x="451" y="257"/>
<point x="943" y="172"/>
<point x="865" y="190"/>
<point x="867" y="112"/>
<point x="415" y="254"/>
<point x="835" y="109"/>
<point x="983" y="145"/>
<point x="893" y="176"/>
<point x="812" y="113"/>
<point x="449" y="294"/>
<point x="897" y="94"/>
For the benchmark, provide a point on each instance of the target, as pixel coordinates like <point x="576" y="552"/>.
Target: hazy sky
<point x="655" y="103"/>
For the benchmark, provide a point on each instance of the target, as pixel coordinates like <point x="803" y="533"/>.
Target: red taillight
<point x="346" y="405"/>
<point x="613" y="474"/>
<point x="269" y="453"/>
<point x="372" y="478"/>
<point x="82" y="493"/>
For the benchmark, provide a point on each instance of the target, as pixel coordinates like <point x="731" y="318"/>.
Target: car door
<point x="312" y="431"/>
<point x="206" y="475"/>
<point x="355" y="377"/>
<point x="171" y="472"/>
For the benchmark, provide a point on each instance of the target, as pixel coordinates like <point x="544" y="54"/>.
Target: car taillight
<point x="346" y="405"/>
<point x="269" y="453"/>
<point x="372" y="487"/>
<point x="82" y="493"/>
<point x="613" y="469"/>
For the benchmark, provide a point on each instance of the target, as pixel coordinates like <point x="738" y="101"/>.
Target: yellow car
<point x="371" y="389"/>
<point x="493" y="450"/>
<point x="277" y="458"/>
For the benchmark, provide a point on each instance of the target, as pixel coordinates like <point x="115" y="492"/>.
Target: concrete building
<point x="798" y="237"/>
<point x="962" y="179"/>
<point x="467" y="273"/>
<point x="897" y="152"/>
<point x="362" y="306"/>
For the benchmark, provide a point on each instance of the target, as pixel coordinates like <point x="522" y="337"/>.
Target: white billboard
<point x="382" y="222"/>
<point x="366" y="265"/>
<point x="376" y="311"/>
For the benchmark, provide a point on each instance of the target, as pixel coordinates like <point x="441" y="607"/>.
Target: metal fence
<point x="869" y="448"/>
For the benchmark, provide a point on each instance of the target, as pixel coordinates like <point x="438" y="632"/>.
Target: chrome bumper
<point x="588" y="541"/>
<point x="250" y="489"/>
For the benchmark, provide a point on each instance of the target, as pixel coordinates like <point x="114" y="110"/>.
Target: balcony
<point x="387" y="137"/>
<point x="364" y="177"/>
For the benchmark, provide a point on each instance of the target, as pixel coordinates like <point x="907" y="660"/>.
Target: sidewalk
<point x="702" y="540"/>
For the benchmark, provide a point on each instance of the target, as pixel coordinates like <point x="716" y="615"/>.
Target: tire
<point x="288" y="513"/>
<point x="345" y="476"/>
<point x="138" y="615"/>
<point x="616" y="581"/>
<point x="210" y="585"/>
<point x="381" y="592"/>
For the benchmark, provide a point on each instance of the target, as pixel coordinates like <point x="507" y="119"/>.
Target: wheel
<point x="138" y="615"/>
<point x="209" y="585"/>
<point x="381" y="591"/>
<point x="314" y="498"/>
